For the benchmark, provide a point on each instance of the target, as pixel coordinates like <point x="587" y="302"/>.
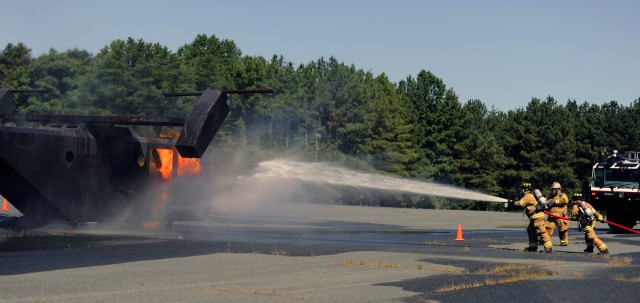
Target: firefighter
<point x="536" y="216"/>
<point x="586" y="215"/>
<point x="558" y="201"/>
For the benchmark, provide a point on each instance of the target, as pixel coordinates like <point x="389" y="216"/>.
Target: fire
<point x="164" y="159"/>
<point x="186" y="166"/>
<point x="166" y="163"/>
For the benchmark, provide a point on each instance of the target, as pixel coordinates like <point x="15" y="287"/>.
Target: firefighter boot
<point x="604" y="252"/>
<point x="531" y="248"/>
<point x="589" y="249"/>
<point x="548" y="250"/>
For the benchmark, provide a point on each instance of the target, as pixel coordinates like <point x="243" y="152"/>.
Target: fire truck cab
<point x="615" y="188"/>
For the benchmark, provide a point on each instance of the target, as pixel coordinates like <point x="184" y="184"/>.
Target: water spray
<point x="330" y="174"/>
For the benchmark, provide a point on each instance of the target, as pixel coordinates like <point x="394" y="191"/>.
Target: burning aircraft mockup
<point x="93" y="168"/>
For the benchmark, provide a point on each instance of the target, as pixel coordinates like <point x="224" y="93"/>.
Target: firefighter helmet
<point x="556" y="185"/>
<point x="578" y="197"/>
<point x="525" y="185"/>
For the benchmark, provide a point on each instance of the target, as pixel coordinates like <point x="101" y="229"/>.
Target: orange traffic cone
<point x="459" y="234"/>
<point x="5" y="205"/>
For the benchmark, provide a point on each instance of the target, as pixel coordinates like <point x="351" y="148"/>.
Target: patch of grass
<point x="279" y="252"/>
<point x="375" y="264"/>
<point x="348" y="262"/>
<point x="511" y="278"/>
<point x="447" y="270"/>
<point x="622" y="278"/>
<point x="506" y="268"/>
<point x="392" y="265"/>
<point x="617" y="261"/>
<point x="388" y="265"/>
<point x="510" y="273"/>
<point x="460" y="287"/>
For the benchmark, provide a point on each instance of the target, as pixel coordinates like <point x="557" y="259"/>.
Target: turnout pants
<point x="563" y="229"/>
<point x="592" y="240"/>
<point x="537" y="228"/>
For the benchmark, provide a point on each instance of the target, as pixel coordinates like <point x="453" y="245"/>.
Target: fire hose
<point x="605" y="221"/>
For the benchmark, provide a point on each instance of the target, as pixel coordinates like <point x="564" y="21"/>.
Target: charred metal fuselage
<point x="95" y="168"/>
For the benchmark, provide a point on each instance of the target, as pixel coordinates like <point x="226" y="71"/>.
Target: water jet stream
<point x="330" y="174"/>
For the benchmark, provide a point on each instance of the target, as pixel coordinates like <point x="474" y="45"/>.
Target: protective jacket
<point x="529" y="202"/>
<point x="558" y="207"/>
<point x="560" y="203"/>
<point x="536" y="228"/>
<point x="588" y="217"/>
<point x="587" y="222"/>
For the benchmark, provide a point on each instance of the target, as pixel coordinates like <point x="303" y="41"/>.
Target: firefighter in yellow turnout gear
<point x="536" y="216"/>
<point x="559" y="206"/>
<point x="587" y="216"/>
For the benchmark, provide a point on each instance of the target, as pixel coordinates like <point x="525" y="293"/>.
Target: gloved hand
<point x="602" y="220"/>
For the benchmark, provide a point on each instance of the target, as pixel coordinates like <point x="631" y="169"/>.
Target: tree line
<point x="326" y="110"/>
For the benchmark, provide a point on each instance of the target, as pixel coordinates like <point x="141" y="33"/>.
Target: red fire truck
<point x="615" y="188"/>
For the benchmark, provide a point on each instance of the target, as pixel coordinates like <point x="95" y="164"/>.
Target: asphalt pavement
<point x="300" y="252"/>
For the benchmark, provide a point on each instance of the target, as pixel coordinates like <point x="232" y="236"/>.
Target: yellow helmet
<point x="556" y="185"/>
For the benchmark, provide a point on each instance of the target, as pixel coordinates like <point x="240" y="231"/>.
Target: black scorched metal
<point x="91" y="168"/>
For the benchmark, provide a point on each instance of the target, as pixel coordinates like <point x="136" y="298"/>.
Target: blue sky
<point x="501" y="52"/>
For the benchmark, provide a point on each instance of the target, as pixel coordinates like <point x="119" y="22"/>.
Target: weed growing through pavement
<point x="392" y="265"/>
<point x="513" y="272"/>
<point x="617" y="261"/>
<point x="512" y="277"/>
<point x="622" y="278"/>
<point x="507" y="268"/>
<point x="279" y="252"/>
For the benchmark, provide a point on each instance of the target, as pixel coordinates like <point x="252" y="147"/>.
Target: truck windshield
<point x="606" y="177"/>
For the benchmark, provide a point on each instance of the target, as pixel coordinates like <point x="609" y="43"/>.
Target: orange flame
<point x="166" y="163"/>
<point x="186" y="166"/>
